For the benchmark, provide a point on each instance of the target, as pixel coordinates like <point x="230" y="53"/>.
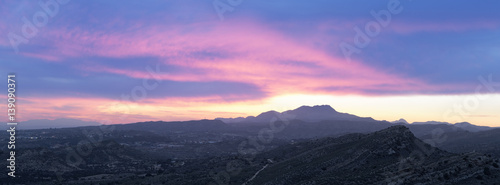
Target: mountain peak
<point x="397" y="128"/>
<point x="470" y="127"/>
<point x="322" y="113"/>
<point x="400" y="121"/>
<point x="463" y="124"/>
<point x="304" y="113"/>
<point x="268" y="113"/>
<point x="316" y="110"/>
<point x="431" y="122"/>
<point x="325" y="108"/>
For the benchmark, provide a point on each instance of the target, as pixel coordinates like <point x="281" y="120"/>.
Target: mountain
<point x="323" y="120"/>
<point x="400" y="121"/>
<point x="390" y="156"/>
<point x="331" y="119"/>
<point x="487" y="142"/>
<point x="262" y="118"/>
<point x="470" y="127"/>
<point x="425" y="129"/>
<point x="431" y="123"/>
<point x="162" y="127"/>
<point x="298" y="129"/>
<point x="462" y="125"/>
<point x="303" y="113"/>
<point x="321" y="113"/>
<point x="56" y="123"/>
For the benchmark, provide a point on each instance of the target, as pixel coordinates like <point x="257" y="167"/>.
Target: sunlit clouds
<point x="184" y="63"/>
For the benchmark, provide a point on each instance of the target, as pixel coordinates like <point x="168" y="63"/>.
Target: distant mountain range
<point x="56" y="123"/>
<point x="323" y="113"/>
<point x="311" y="114"/>
<point x="463" y="125"/>
<point x="323" y="121"/>
<point x="303" y="113"/>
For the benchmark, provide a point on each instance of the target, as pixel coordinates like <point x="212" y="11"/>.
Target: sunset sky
<point x="128" y="61"/>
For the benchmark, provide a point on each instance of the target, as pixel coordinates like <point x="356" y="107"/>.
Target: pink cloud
<point x="240" y="51"/>
<point x="113" y="111"/>
<point x="43" y="56"/>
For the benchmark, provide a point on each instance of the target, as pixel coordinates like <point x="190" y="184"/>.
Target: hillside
<point x="390" y="155"/>
<point x="487" y="142"/>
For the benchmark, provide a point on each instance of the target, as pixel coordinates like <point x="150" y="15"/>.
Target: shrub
<point x="487" y="171"/>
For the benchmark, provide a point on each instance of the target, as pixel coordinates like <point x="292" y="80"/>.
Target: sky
<point x="128" y="61"/>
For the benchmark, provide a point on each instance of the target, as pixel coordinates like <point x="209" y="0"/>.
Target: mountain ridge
<point x="318" y="113"/>
<point x="382" y="157"/>
<point x="305" y="113"/>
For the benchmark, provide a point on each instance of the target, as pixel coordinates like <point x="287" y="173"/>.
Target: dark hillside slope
<point x="390" y="155"/>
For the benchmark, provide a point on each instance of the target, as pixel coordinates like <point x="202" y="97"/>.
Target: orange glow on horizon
<point x="416" y="108"/>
